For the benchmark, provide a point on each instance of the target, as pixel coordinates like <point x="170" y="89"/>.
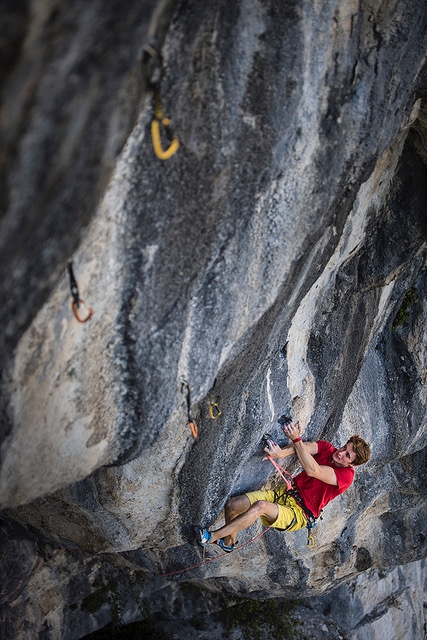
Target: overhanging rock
<point x="265" y="262"/>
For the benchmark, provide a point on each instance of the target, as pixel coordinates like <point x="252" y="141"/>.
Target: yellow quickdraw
<point x="214" y="410"/>
<point x="162" y="154"/>
<point x="310" y="539"/>
<point x="310" y="526"/>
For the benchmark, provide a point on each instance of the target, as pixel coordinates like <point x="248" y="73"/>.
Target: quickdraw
<point x="214" y="410"/>
<point x="159" y="118"/>
<point x="191" y="422"/>
<point x="310" y="537"/>
<point x="152" y="63"/>
<point x="77" y="301"/>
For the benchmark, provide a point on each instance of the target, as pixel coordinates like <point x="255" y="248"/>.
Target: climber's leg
<point x="267" y="510"/>
<point x="233" y="508"/>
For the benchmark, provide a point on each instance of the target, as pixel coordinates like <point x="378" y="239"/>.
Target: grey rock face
<point x="71" y="83"/>
<point x="60" y="592"/>
<point x="276" y="262"/>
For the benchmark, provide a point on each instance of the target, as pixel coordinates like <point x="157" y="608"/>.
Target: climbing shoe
<point x="203" y="537"/>
<point x="225" y="547"/>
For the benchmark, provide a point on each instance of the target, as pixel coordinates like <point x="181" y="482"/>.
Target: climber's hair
<point x="361" y="449"/>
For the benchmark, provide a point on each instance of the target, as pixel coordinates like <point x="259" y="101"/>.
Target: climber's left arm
<point x="275" y="451"/>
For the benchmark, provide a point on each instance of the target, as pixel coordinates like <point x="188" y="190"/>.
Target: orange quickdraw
<point x="194" y="429"/>
<point x="76" y="311"/>
<point x="193" y="425"/>
<point x="77" y="301"/>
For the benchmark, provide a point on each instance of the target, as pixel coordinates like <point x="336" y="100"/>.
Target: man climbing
<point x="327" y="472"/>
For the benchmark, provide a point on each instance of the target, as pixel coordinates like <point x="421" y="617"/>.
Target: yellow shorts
<point x="290" y="515"/>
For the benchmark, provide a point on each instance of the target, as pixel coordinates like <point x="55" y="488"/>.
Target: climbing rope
<point x="159" y="118"/>
<point x="281" y="471"/>
<point x="23" y="584"/>
<point x="289" y="487"/>
<point x="77" y="301"/>
<point x="191" y="422"/>
<point x="206" y="560"/>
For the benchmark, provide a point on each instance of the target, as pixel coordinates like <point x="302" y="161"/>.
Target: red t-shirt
<point x="315" y="493"/>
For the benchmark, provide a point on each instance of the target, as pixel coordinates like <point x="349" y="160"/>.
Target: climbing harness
<point x="193" y="425"/>
<point x="159" y="118"/>
<point x="292" y="490"/>
<point x="77" y="301"/>
<point x="214" y="410"/>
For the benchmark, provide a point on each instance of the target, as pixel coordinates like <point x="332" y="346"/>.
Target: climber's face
<point x="345" y="456"/>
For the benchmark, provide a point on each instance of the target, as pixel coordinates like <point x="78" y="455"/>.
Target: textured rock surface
<point x="70" y="85"/>
<point x="266" y="262"/>
<point x="59" y="592"/>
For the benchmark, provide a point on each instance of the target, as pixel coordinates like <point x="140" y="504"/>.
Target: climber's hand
<point x="273" y="449"/>
<point x="293" y="431"/>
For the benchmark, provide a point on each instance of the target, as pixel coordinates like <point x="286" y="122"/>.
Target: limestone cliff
<point x="276" y="262"/>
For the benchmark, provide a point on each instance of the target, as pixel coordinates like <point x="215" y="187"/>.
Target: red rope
<point x="288" y="483"/>
<point x="22" y="584"/>
<point x="195" y="566"/>
<point x="281" y="472"/>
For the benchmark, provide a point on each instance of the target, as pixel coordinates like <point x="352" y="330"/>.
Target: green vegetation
<point x="268" y="618"/>
<point x="405" y="309"/>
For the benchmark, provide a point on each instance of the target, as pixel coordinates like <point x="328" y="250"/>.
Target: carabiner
<point x="77" y="301"/>
<point x="162" y="154"/>
<point x="194" y="429"/>
<point x="192" y="424"/>
<point x="76" y="311"/>
<point x="214" y="410"/>
<point x="310" y="538"/>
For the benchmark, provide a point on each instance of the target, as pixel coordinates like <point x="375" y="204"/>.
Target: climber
<point x="327" y="472"/>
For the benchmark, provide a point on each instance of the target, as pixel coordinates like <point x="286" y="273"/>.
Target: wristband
<point x="297" y="440"/>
